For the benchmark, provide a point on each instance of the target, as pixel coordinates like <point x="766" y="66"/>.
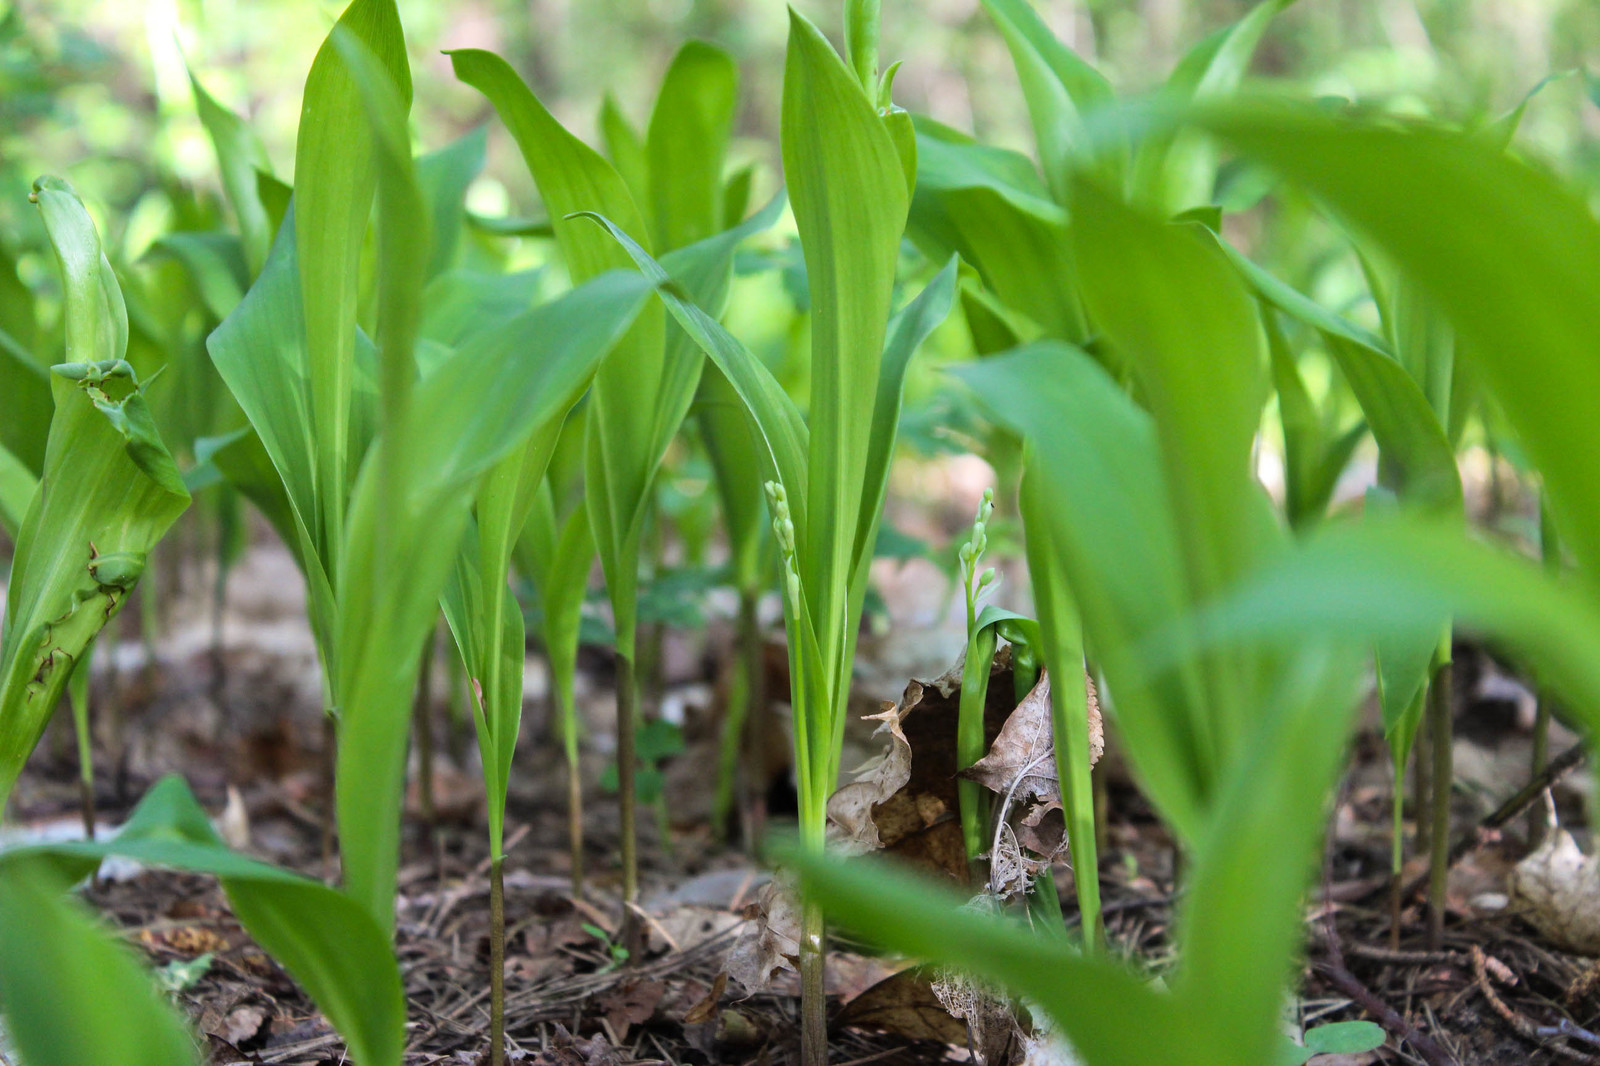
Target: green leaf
<point x="326" y="941"/>
<point x="988" y="205"/>
<point x="1523" y="291"/>
<point x="68" y="993"/>
<point x="26" y="404"/>
<point x="687" y="142"/>
<point x="240" y="156"/>
<point x="17" y="486"/>
<point x="444" y="176"/>
<point x="108" y="492"/>
<point x="335" y="182"/>
<point x="1060" y="88"/>
<point x="1110" y="1015"/>
<point x="642" y="390"/>
<point x="1177" y="170"/>
<point x="474" y="410"/>
<point x="1345" y="1038"/>
<point x="850" y="197"/>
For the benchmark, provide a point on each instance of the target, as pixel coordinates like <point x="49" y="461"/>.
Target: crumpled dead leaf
<point x="1557" y="889"/>
<point x="1021" y="761"/>
<point x="771" y="943"/>
<point x="568" y="1050"/>
<point x="904" y="1004"/>
<point x="903" y="802"/>
<point x="852" y="828"/>
<point x="629" y="1004"/>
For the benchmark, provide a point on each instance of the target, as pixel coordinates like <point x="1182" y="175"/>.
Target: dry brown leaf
<point x="568" y="1050"/>
<point x="1557" y="889"/>
<point x="1021" y="761"/>
<point x="904" y="1004"/>
<point x="771" y="944"/>
<point x="630" y="1004"/>
<point x="706" y="1009"/>
<point x="852" y="827"/>
<point x="242" y="1024"/>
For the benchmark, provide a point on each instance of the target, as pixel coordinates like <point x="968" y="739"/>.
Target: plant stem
<point x="1550" y="555"/>
<point x="575" y="824"/>
<point x="330" y="741"/>
<point x="1439" y="702"/>
<point x="497" y="962"/>
<point x="422" y="723"/>
<point x="1397" y="853"/>
<point x="627" y="713"/>
<point x="741" y="697"/>
<point x="813" y="989"/>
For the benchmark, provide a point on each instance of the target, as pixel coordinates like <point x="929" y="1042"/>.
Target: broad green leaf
<point x="335" y="182"/>
<point x="1110" y="1015"/>
<point x="69" y="994"/>
<point x="215" y="263"/>
<point x="849" y="192"/>
<point x="323" y="938"/>
<point x="108" y="492"/>
<point x="687" y="142"/>
<point x="1059" y="88"/>
<point x="24" y="401"/>
<point x="444" y="176"/>
<point x="460" y="303"/>
<point x="473" y="411"/>
<point x="260" y="352"/>
<point x="1173" y="309"/>
<point x="1395" y="578"/>
<point x="988" y="205"/>
<point x="1096" y="454"/>
<point x="1313" y="456"/>
<point x="775" y="420"/>
<point x="641" y="387"/>
<point x="1176" y="170"/>
<point x="17" y="486"/>
<point x="625" y="148"/>
<point x="1402" y="421"/>
<point x="1522" y="290"/>
<point x="240" y="155"/>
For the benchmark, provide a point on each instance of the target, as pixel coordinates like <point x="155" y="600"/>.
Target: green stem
<point x="575" y="822"/>
<point x="1439" y="700"/>
<point x="422" y="725"/>
<point x="627" y="713"/>
<point x="497" y="961"/>
<point x="1397" y="852"/>
<point x="1550" y="554"/>
<point x="813" y="989"/>
<point x="970" y="746"/>
<point x="743" y="692"/>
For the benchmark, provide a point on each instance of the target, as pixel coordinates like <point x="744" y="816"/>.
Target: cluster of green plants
<point x="422" y="417"/>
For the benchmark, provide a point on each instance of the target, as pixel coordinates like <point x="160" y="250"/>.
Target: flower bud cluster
<point x="783" y="533"/>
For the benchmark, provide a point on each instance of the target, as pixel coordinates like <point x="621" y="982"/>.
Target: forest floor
<point x="235" y="708"/>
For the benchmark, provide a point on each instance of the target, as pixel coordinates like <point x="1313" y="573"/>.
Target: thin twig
<point x="1385" y="1015"/>
<point x="1523" y="1027"/>
<point x="1524" y="798"/>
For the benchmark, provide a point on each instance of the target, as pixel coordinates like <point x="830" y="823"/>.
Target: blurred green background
<point x="96" y="89"/>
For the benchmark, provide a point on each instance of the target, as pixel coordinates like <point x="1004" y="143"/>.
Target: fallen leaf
<point x="243" y="1024"/>
<point x="1021" y="764"/>
<point x="1557" y="889"/>
<point x="706" y="1009"/>
<point x="850" y="808"/>
<point x="630" y="1004"/>
<point x="904" y="1004"/>
<point x="771" y="943"/>
<point x="568" y="1050"/>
